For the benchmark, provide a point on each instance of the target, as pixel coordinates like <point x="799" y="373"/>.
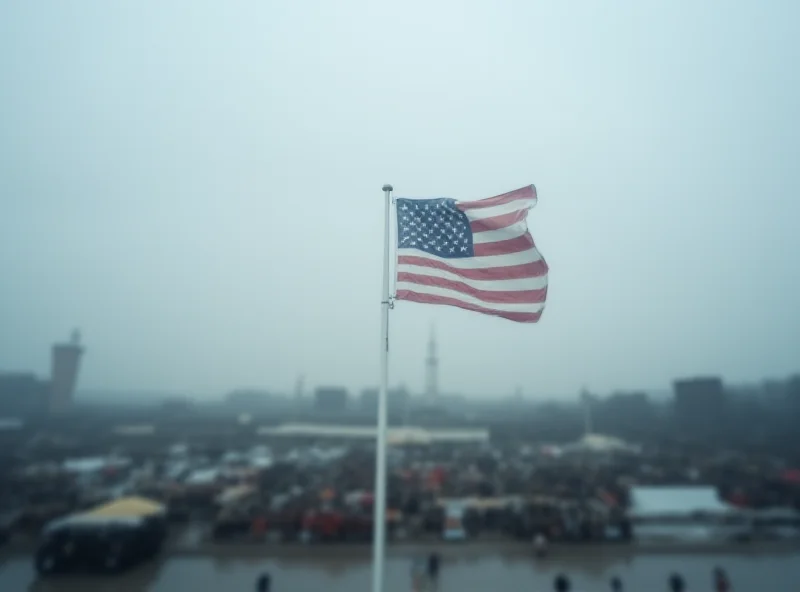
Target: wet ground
<point x="589" y="568"/>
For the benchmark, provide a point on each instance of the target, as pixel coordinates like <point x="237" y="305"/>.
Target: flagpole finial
<point x="388" y="187"/>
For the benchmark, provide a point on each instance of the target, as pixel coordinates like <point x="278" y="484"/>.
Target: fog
<point x="197" y="187"/>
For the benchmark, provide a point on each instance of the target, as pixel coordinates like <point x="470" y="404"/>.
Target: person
<point x="264" y="583"/>
<point x="721" y="582"/>
<point x="540" y="544"/>
<point x="616" y="584"/>
<point x="417" y="574"/>
<point x="677" y="583"/>
<point x="433" y="566"/>
<point x="561" y="583"/>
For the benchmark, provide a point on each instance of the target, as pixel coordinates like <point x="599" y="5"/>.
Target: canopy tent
<point x="395" y="436"/>
<point x="130" y="511"/>
<point x="676" y="502"/>
<point x="598" y="444"/>
<point x="128" y="507"/>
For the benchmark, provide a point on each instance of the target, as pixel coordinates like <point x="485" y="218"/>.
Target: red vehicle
<point x="324" y="526"/>
<point x="338" y="526"/>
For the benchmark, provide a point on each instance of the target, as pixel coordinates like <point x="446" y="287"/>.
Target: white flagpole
<point x="379" y="503"/>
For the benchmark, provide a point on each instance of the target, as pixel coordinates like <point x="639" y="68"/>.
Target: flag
<point x="477" y="255"/>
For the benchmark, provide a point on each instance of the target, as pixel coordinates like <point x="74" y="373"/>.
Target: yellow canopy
<point x="128" y="507"/>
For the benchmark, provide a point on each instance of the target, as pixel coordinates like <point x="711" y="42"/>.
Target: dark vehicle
<point x="110" y="549"/>
<point x="8" y="522"/>
<point x="105" y="540"/>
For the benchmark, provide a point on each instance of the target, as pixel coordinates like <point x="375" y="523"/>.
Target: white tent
<point x="395" y="435"/>
<point x="685" y="513"/>
<point x="650" y="502"/>
<point x="599" y="444"/>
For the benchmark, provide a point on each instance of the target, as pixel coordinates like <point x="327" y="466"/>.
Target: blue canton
<point x="435" y="226"/>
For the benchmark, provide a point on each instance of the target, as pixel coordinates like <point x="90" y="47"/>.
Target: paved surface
<point x="589" y="570"/>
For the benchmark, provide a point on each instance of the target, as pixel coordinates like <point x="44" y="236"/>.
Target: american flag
<point x="476" y="255"/>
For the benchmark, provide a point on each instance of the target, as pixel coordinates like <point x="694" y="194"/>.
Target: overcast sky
<point x="197" y="186"/>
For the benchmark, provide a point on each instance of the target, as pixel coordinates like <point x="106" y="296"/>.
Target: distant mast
<point x="432" y="369"/>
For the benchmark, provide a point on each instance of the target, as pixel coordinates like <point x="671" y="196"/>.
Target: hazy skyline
<point x="197" y="187"/>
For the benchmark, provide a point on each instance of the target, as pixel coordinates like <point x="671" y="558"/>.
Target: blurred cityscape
<point x="759" y="416"/>
<point x="110" y="480"/>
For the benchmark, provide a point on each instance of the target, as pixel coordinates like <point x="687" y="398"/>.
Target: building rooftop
<point x="396" y="435"/>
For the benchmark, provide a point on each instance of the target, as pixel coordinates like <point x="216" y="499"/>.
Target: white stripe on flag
<point x="492" y="236"/>
<point x="506" y="208"/>
<point x="436" y="291"/>
<point x="531" y="283"/>
<point x="528" y="256"/>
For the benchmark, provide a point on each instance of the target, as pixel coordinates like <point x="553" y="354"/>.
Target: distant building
<point x="247" y="398"/>
<point x="330" y="399"/>
<point x="630" y="414"/>
<point x="429" y="414"/>
<point x="793" y="392"/>
<point x="368" y="402"/>
<point x="698" y="401"/>
<point x="177" y="405"/>
<point x="22" y="394"/>
<point x="397" y="398"/>
<point x="636" y="404"/>
<point x="66" y="361"/>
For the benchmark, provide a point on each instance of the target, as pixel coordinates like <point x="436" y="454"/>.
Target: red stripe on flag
<point x="509" y="272"/>
<point x="498" y="222"/>
<point x="491" y="296"/>
<point x="528" y="192"/>
<point x="520" y="317"/>
<point x="506" y="247"/>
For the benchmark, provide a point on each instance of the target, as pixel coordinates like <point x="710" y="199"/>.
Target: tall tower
<point x="432" y="369"/>
<point x="66" y="360"/>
